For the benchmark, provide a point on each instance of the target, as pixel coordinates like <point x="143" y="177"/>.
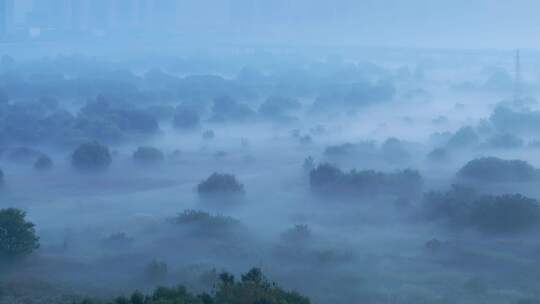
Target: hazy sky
<point x="413" y="23"/>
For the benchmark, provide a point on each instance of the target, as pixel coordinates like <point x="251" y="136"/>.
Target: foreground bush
<point x="17" y="235"/>
<point x="91" y="156"/>
<point x="252" y="288"/>
<point x="330" y="180"/>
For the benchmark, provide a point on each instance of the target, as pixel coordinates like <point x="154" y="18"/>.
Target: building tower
<point x="6" y="16"/>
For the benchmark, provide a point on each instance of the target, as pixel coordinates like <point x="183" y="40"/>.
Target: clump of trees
<point x="505" y="141"/>
<point x="221" y="186"/>
<point x="252" y="288"/>
<point x="225" y="110"/>
<point x="186" y="118"/>
<point x="296" y="234"/>
<point x="205" y="224"/>
<point x="91" y="156"/>
<point x="278" y="108"/>
<point x="493" y="169"/>
<point x="465" y="137"/>
<point x="329" y="180"/>
<point x="463" y="207"/>
<point x="17" y="235"/>
<point x="43" y="163"/>
<point x="148" y="155"/>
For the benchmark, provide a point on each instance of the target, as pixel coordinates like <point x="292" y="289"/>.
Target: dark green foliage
<point x="462" y="207"/>
<point x="493" y="169"/>
<point x="91" y="156"/>
<point x="220" y="185"/>
<point x="253" y="288"/>
<point x="148" y="155"/>
<point x="43" y="163"/>
<point x="17" y="235"/>
<point x="328" y="179"/>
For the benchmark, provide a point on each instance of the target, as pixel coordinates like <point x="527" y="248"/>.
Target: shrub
<point x="462" y="207"/>
<point x="297" y="234"/>
<point x="220" y="185"/>
<point x="43" y="163"/>
<point x="253" y="288"/>
<point x="17" y="235"/>
<point x="91" y="156"/>
<point x="465" y="137"/>
<point x="148" y="155"/>
<point x="328" y="179"/>
<point x="509" y="213"/>
<point x="493" y="169"/>
<point x="204" y="224"/>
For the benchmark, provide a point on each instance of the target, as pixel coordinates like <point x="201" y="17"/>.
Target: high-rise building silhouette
<point x="6" y="16"/>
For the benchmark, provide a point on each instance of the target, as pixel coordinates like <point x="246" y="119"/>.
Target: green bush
<point x="17" y="235"/>
<point x="253" y="288"/>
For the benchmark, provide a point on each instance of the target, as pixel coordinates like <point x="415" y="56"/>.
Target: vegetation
<point x="220" y="186"/>
<point x="252" y="288"/>
<point x="17" y="235"/>
<point x="201" y="223"/>
<point x="91" y="156"/>
<point x="463" y="207"/>
<point x="330" y="180"/>
<point x="186" y="118"/>
<point x="148" y="155"/>
<point x="43" y="163"/>
<point x="493" y="169"/>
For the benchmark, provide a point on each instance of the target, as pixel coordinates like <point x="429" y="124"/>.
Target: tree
<point x="253" y="288"/>
<point x="43" y="163"/>
<point x="186" y="118"/>
<point x="220" y="185"/>
<point x="17" y="236"/>
<point x="493" y="169"/>
<point x="91" y="156"/>
<point x="148" y="155"/>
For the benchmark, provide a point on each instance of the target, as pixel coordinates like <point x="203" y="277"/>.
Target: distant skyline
<point x="411" y="23"/>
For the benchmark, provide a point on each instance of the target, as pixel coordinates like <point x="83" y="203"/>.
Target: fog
<point x="353" y="151"/>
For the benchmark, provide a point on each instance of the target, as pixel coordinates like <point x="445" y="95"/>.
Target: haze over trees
<point x="91" y="156"/>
